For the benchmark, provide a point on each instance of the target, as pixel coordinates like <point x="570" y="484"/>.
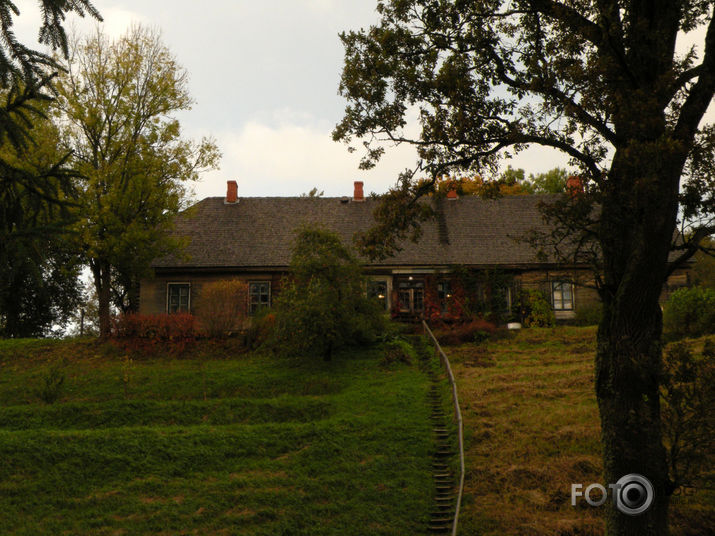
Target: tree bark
<point x="102" y="283"/>
<point x="637" y="224"/>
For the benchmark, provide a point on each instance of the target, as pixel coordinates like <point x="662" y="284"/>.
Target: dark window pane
<point x="259" y="295"/>
<point x="178" y="298"/>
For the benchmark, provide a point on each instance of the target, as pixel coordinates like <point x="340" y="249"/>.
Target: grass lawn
<point x="531" y="430"/>
<point x="214" y="442"/>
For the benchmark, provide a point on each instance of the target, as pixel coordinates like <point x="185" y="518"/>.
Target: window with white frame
<point x="178" y="296"/>
<point x="259" y="295"/>
<point x="562" y="295"/>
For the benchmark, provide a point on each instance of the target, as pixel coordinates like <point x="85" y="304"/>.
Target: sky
<point x="265" y="75"/>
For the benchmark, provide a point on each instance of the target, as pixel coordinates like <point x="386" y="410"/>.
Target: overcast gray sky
<point x="265" y="75"/>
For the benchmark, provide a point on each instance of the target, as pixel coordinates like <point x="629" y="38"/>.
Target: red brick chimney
<point x="231" y="192"/>
<point x="358" y="194"/>
<point x="574" y="186"/>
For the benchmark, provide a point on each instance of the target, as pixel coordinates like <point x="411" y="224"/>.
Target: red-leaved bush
<point x="147" y="333"/>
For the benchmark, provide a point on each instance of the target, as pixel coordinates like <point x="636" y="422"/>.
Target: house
<point x="251" y="239"/>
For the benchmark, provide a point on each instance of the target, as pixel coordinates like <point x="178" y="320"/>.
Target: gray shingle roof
<point x="259" y="231"/>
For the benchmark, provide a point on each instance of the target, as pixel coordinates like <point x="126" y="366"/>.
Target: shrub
<point x="688" y="395"/>
<point x="259" y="329"/>
<point x="52" y="384"/>
<point x="477" y="331"/>
<point x="145" y="333"/>
<point x="223" y="307"/>
<point x="690" y="312"/>
<point x="534" y="309"/>
<point x="323" y="305"/>
<point x="398" y="351"/>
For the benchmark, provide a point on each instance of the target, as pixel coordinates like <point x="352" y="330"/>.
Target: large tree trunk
<point x="628" y="364"/>
<point x="133" y="295"/>
<point x="637" y="224"/>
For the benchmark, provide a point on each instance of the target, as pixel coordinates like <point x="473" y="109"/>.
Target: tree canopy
<point x="116" y="105"/>
<point x="25" y="73"/>
<point x="39" y="288"/>
<point x="601" y="82"/>
<point x="491" y="78"/>
<point x="37" y="267"/>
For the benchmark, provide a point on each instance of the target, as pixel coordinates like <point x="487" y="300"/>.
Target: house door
<point x="411" y="294"/>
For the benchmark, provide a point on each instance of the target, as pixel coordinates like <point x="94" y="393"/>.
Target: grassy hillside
<point x="211" y="443"/>
<point x="532" y="429"/>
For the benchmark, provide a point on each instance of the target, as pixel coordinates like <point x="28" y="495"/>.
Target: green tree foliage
<point x="37" y="272"/>
<point x="534" y="310"/>
<point x="551" y="182"/>
<point x="38" y="267"/>
<point x="602" y="83"/>
<point x="25" y="74"/>
<point x="323" y="306"/>
<point x="690" y="312"/>
<point x="117" y="101"/>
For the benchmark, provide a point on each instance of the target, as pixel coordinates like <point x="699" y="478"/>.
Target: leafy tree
<point x="479" y="186"/>
<point x="551" y="182"/>
<point x="116" y="103"/>
<point x="37" y="273"/>
<point x="510" y="182"/>
<point x="323" y="305"/>
<point x="25" y="74"/>
<point x="38" y="267"/>
<point x="600" y="82"/>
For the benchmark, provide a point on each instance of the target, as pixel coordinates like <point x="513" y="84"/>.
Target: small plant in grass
<point x="52" y="385"/>
<point x="398" y="350"/>
<point x="127" y="370"/>
<point x="688" y="394"/>
<point x="202" y="375"/>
